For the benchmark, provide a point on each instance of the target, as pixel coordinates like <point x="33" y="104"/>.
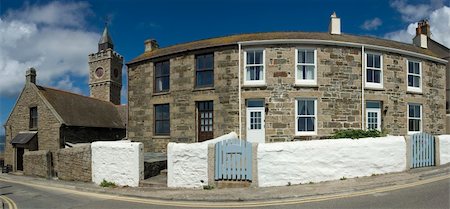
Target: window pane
<point x="310" y="72"/>
<point x="250" y="57"/>
<point x="376" y="76"/>
<point x="301" y="124"/>
<point x="377" y="61"/>
<point x="411" y="111"/>
<point x="310" y="124"/>
<point x="369" y="60"/>
<point x="301" y="56"/>
<point x="416" y="82"/>
<point x="255" y="103"/>
<point x="373" y="104"/>
<point x="410" y="67"/>
<point x="301" y="107"/>
<point x="369" y="75"/>
<point x="417" y="111"/>
<point x="166" y="68"/>
<point x="258" y="57"/>
<point x="416" y="68"/>
<point x="310" y="107"/>
<point x="410" y="80"/>
<point x="310" y="57"/>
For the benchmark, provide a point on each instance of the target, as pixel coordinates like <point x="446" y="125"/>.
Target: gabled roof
<point x="78" y="110"/>
<point x="234" y="39"/>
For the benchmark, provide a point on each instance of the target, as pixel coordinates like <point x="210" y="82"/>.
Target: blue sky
<point x="58" y="35"/>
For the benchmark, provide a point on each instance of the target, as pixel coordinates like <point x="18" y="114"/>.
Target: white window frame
<point x="305" y="133"/>
<point x="305" y="82"/>
<point x="255" y="82"/>
<point x="376" y="110"/>
<point x="411" y="88"/>
<point x="372" y="85"/>
<point x="420" y="118"/>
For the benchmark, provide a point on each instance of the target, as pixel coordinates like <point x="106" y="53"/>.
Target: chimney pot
<point x="150" y="45"/>
<point x="335" y="24"/>
<point x="31" y="76"/>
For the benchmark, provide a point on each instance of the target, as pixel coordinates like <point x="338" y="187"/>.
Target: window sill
<point x="306" y="134"/>
<point x="414" y="91"/>
<point x="203" y="88"/>
<point x="254" y="85"/>
<point x="312" y="85"/>
<point x="33" y="129"/>
<point x="414" y="132"/>
<point x="376" y="88"/>
<point x="161" y="137"/>
<point x="160" y="93"/>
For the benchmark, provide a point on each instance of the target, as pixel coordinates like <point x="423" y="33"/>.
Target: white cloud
<point x="439" y="20"/>
<point x="372" y="24"/>
<point x="413" y="13"/>
<point x="50" y="38"/>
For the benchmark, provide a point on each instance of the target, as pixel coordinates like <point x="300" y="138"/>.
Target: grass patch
<point x="357" y="133"/>
<point x="105" y="183"/>
<point x="208" y="187"/>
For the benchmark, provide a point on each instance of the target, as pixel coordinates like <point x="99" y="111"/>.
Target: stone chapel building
<point x="45" y="118"/>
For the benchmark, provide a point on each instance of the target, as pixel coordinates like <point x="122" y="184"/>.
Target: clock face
<point x="99" y="72"/>
<point x="116" y="73"/>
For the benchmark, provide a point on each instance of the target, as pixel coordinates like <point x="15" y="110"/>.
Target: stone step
<point x="232" y="184"/>
<point x="159" y="181"/>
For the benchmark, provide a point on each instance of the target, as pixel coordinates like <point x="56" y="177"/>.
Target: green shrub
<point x="357" y="133"/>
<point x="105" y="183"/>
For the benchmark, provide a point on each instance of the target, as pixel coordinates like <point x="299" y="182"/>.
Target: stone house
<point x="284" y="86"/>
<point x="49" y="119"/>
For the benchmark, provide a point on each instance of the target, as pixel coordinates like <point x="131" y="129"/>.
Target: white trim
<point x="255" y="82"/>
<point x="407" y="119"/>
<point x="305" y="133"/>
<point x="304" y="82"/>
<point x="341" y="43"/>
<point x="410" y="88"/>
<point x="239" y="91"/>
<point x="363" y="101"/>
<point x="372" y="85"/>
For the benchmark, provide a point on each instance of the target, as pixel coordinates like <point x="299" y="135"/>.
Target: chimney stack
<point x="31" y="76"/>
<point x="422" y="34"/>
<point x="150" y="45"/>
<point x="335" y="25"/>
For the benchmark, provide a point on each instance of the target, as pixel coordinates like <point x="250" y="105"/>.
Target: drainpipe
<point x="239" y="91"/>
<point x="363" y="59"/>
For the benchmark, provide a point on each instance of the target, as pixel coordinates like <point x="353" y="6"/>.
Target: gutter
<point x="363" y="72"/>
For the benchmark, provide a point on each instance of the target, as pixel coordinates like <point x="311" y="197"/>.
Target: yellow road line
<point x="9" y="201"/>
<point x="235" y="204"/>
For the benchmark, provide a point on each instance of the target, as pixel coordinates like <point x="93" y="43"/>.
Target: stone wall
<point x="74" y="164"/>
<point x="182" y="98"/>
<point x="37" y="163"/>
<point x="338" y="93"/>
<point x="48" y="124"/>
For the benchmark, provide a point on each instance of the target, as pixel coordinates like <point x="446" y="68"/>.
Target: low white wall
<point x="187" y="164"/>
<point x="444" y="146"/>
<point x="121" y="162"/>
<point x="321" y="160"/>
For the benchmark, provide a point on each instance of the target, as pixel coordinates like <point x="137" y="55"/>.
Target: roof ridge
<point x="75" y="94"/>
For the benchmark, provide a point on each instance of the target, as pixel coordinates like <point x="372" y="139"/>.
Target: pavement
<point x="339" y="188"/>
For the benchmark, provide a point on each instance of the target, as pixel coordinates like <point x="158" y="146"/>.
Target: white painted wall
<point x="121" y="162"/>
<point x="324" y="160"/>
<point x="444" y="146"/>
<point x="187" y="164"/>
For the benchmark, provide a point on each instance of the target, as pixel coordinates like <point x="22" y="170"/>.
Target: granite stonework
<point x="74" y="164"/>
<point x="48" y="125"/>
<point x="338" y="93"/>
<point x="37" y="163"/>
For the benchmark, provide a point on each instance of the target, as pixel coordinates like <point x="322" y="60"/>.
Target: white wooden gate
<point x="233" y="160"/>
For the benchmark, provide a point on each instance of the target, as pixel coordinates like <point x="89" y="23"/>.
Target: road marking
<point x="9" y="201"/>
<point x="241" y="204"/>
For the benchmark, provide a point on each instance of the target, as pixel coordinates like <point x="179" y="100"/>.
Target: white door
<point x="255" y="125"/>
<point x="373" y="118"/>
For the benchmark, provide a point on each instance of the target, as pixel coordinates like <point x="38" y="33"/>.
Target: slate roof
<point x="79" y="110"/>
<point x="23" y="137"/>
<point x="234" y="39"/>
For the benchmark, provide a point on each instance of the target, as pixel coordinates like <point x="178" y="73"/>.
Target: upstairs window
<point x="162" y="119"/>
<point x="162" y="76"/>
<point x="254" y="67"/>
<point x="414" y="76"/>
<point x="374" y="70"/>
<point x="33" y="118"/>
<point x="414" y="118"/>
<point x="306" y="67"/>
<point x="204" y="71"/>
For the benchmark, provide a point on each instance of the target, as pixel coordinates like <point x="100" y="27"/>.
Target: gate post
<point x="211" y="162"/>
<point x="254" y="165"/>
<point x="408" y="152"/>
<point x="437" y="151"/>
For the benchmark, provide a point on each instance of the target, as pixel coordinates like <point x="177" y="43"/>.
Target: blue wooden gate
<point x="422" y="149"/>
<point x="233" y="160"/>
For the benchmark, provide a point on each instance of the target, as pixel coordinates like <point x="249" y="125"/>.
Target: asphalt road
<point x="433" y="195"/>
